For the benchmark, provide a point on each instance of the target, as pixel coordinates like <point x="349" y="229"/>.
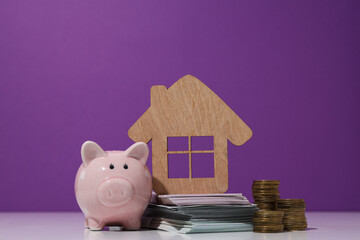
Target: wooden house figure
<point x="189" y="109"/>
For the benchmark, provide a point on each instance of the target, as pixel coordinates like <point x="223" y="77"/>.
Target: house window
<point x="190" y="157"/>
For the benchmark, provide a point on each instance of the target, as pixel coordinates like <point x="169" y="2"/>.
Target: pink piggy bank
<point x="113" y="187"/>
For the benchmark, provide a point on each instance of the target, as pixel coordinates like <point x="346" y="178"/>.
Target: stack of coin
<point x="294" y="214"/>
<point x="266" y="193"/>
<point x="268" y="221"/>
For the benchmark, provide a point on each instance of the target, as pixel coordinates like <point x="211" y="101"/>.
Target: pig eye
<point x="111" y="166"/>
<point x="126" y="166"/>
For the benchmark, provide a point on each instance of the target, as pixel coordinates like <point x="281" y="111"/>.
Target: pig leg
<point x="94" y="224"/>
<point x="133" y="223"/>
<point x="86" y="224"/>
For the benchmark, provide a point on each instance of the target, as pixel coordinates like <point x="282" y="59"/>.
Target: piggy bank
<point x="113" y="187"/>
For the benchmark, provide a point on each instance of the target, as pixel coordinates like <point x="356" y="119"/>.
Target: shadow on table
<point x="282" y="235"/>
<point x="159" y="235"/>
<point x="130" y="235"/>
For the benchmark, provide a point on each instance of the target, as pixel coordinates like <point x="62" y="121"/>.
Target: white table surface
<point x="70" y="225"/>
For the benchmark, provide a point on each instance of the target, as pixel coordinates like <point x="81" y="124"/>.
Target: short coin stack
<point x="268" y="221"/>
<point x="266" y="193"/>
<point x="294" y="214"/>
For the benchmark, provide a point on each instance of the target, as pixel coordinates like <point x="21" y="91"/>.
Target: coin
<point x="265" y="194"/>
<point x="290" y="210"/>
<point x="268" y="229"/>
<point x="266" y="206"/>
<point x="294" y="214"/>
<point x="292" y="223"/>
<point x="270" y="199"/>
<point x="267" y="221"/>
<point x="266" y="200"/>
<point x="291" y="200"/>
<point x="265" y="213"/>
<point x="265" y="188"/>
<point x="292" y="228"/>
<point x="260" y="190"/>
<point x="266" y="182"/>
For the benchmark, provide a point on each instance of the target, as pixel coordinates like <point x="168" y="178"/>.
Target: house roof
<point x="188" y="108"/>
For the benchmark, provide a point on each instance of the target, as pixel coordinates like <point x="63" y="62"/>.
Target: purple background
<point x="178" y="165"/>
<point x="202" y="143"/>
<point x="72" y="71"/>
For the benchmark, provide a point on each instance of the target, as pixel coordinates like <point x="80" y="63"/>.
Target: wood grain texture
<point x="188" y="108"/>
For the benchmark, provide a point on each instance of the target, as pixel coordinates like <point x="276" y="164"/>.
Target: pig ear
<point x="139" y="151"/>
<point x="89" y="151"/>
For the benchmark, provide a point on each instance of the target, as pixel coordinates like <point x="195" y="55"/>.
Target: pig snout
<point x="115" y="192"/>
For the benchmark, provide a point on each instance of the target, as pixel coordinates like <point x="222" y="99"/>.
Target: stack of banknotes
<point x="200" y="213"/>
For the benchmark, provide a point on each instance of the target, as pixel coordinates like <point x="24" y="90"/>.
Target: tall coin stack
<point x="266" y="193"/>
<point x="294" y="214"/>
<point x="268" y="221"/>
